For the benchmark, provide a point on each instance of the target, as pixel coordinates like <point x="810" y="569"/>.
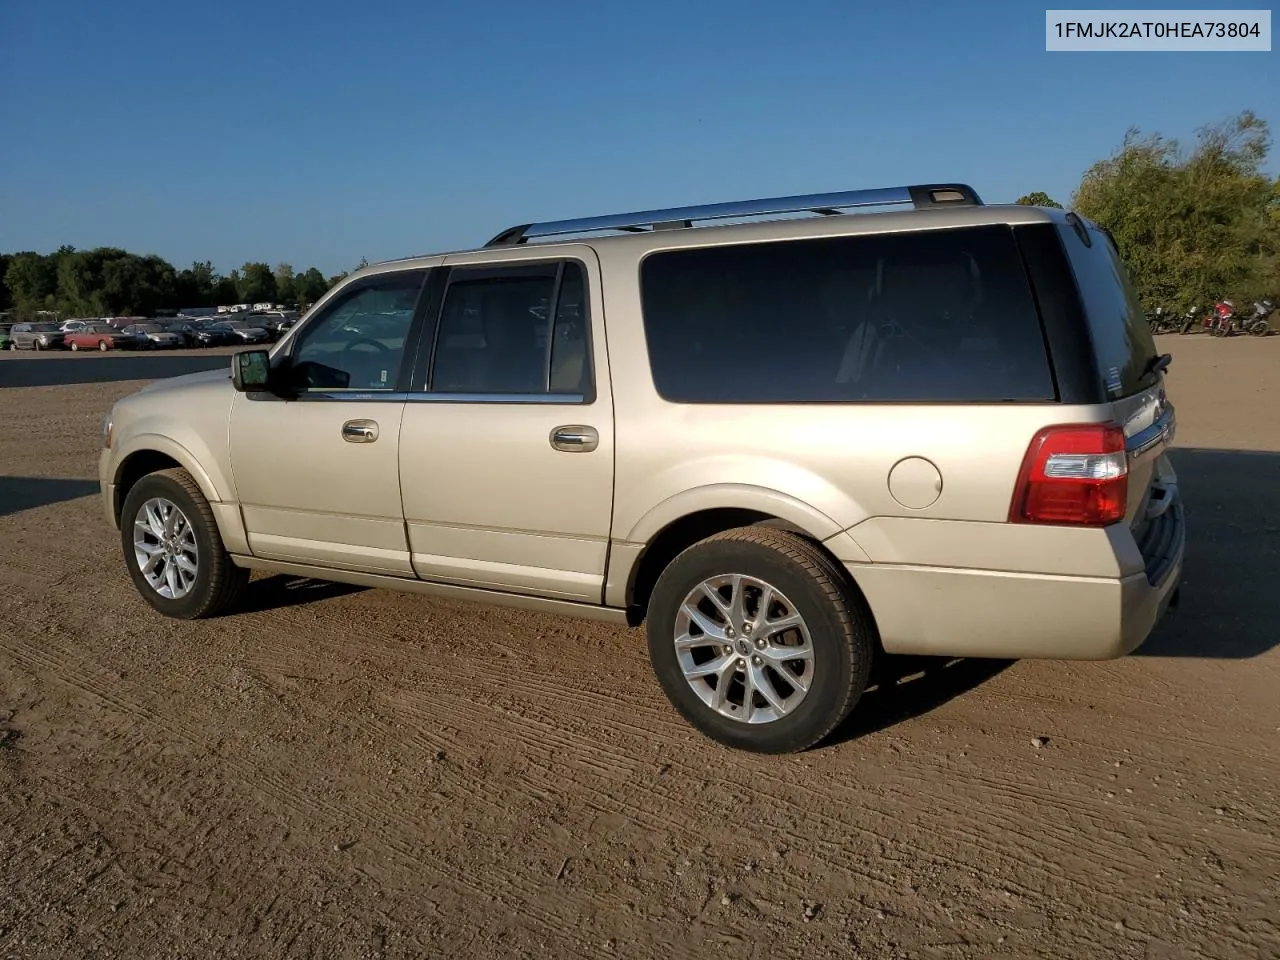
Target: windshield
<point x="148" y="328"/>
<point x="43" y="328"/>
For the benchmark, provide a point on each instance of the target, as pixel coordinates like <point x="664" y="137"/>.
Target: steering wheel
<point x="366" y="341"/>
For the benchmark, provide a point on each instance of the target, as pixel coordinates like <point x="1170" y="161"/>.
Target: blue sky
<point x="321" y="132"/>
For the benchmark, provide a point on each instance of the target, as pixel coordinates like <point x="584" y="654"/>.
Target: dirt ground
<point x="354" y="773"/>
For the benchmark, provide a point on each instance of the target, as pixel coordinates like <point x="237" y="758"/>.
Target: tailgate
<point x="1149" y="424"/>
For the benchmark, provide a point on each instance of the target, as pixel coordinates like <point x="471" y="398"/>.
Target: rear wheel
<point x="759" y="640"/>
<point x="102" y="346"/>
<point x="39" y="346"/>
<point x="173" y="549"/>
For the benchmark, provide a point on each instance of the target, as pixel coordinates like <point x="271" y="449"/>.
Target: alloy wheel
<point x="744" y="649"/>
<point x="164" y="546"/>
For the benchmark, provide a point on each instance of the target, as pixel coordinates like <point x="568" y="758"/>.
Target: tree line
<point x="1193" y="225"/>
<point x="108" y="281"/>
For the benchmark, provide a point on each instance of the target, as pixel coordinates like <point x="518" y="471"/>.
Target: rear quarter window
<point x="1122" y="340"/>
<point x="936" y="316"/>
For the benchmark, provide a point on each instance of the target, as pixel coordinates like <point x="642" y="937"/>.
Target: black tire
<point x="219" y="583"/>
<point x="102" y="346"/>
<point x="841" y="629"/>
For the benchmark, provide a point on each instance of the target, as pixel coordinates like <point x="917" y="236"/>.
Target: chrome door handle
<point x="575" y="439"/>
<point x="360" y="431"/>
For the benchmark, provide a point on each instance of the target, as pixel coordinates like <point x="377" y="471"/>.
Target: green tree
<point x="1193" y="227"/>
<point x="311" y="285"/>
<point x="1039" y="198"/>
<point x="224" y="291"/>
<point x="6" y="298"/>
<point x="193" y="287"/>
<point x="32" y="279"/>
<point x="255" y="283"/>
<point x="286" y="284"/>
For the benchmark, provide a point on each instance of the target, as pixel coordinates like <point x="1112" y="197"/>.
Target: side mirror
<point x="251" y="371"/>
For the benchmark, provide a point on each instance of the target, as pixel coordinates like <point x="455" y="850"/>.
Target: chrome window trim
<point x="422" y="396"/>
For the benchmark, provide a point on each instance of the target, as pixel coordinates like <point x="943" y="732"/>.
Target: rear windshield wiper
<point x="1158" y="364"/>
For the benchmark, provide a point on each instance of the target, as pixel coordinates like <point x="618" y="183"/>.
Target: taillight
<point x="1073" y="474"/>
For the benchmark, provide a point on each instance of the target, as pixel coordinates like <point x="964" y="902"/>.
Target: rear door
<point x="506" y="450"/>
<point x="1127" y="360"/>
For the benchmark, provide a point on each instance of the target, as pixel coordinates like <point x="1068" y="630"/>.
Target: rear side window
<point x="1121" y="336"/>
<point x="931" y="316"/>
<point x="514" y="330"/>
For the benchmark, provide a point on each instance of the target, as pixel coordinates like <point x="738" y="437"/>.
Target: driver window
<point x="359" y="342"/>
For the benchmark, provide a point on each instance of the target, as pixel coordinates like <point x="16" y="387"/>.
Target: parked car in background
<point x="151" y="336"/>
<point x="246" y="331"/>
<point x="68" y="325"/>
<point x="5" y="338"/>
<point x="36" y="336"/>
<point x="121" y="322"/>
<point x="275" y="321"/>
<point x="98" y="336"/>
<point x="202" y="333"/>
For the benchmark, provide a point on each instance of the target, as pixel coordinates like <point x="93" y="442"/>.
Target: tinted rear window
<point x="934" y="316"/>
<point x="1121" y="336"/>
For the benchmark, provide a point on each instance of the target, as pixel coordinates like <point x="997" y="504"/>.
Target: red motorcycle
<point x="1222" y="319"/>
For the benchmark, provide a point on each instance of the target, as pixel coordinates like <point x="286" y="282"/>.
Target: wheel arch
<point x="150" y="453"/>
<point x="682" y="532"/>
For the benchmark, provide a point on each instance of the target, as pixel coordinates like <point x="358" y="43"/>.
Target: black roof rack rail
<point x="823" y="204"/>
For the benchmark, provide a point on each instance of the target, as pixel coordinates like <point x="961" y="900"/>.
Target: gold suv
<point x="786" y="445"/>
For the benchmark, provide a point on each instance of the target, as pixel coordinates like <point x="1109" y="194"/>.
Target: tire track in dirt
<point x="553" y="735"/>
<point x="384" y="824"/>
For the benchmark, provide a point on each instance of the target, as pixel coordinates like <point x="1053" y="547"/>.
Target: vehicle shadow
<point x="71" y="369"/>
<point x="285" y="590"/>
<point x="27" y="493"/>
<point x="905" y="687"/>
<point x="1229" y="608"/>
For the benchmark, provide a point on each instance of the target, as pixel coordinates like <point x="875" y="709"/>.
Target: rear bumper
<point x="947" y="611"/>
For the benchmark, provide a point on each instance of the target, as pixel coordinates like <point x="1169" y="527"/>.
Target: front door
<point x="318" y="476"/>
<point x="506" y="450"/>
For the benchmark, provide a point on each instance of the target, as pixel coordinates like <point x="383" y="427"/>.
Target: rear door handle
<point x="360" y="431"/>
<point x="575" y="439"/>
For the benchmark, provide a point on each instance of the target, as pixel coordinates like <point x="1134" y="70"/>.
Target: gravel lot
<point x="353" y="773"/>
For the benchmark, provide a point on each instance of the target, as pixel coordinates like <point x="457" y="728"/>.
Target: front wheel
<point x="75" y="347"/>
<point x="759" y="640"/>
<point x="1259" y="328"/>
<point x="173" y="549"/>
